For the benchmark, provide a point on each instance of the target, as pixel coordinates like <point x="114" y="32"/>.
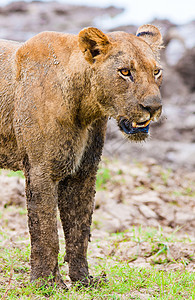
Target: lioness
<point x="56" y="93"/>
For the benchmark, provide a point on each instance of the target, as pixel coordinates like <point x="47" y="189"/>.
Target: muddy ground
<point x="150" y="184"/>
<point x="133" y="198"/>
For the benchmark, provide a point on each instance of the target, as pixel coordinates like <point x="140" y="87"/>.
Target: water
<point x="139" y="11"/>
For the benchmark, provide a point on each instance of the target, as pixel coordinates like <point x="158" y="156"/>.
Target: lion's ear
<point x="92" y="43"/>
<point x="151" y="35"/>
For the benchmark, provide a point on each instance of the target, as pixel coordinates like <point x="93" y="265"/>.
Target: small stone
<point x="147" y="212"/>
<point x="12" y="191"/>
<point x="182" y="217"/>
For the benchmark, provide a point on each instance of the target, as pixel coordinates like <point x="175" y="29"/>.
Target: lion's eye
<point x="157" y="72"/>
<point x="126" y="73"/>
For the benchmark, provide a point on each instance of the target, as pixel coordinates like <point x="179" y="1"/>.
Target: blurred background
<point x="152" y="183"/>
<point x="174" y="134"/>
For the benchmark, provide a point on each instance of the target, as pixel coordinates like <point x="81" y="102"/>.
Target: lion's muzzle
<point x="153" y="105"/>
<point x="138" y="128"/>
<point x="133" y="128"/>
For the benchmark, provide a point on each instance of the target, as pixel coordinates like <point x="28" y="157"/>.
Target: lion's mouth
<point x="133" y="127"/>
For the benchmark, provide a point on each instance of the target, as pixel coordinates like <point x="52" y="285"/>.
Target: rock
<point x="186" y="69"/>
<point x="184" y="217"/>
<point x="174" y="51"/>
<point x="118" y="211"/>
<point x="147" y="212"/>
<point x="173" y="84"/>
<point x="12" y="191"/>
<point x="20" y="20"/>
<point x="104" y="221"/>
<point x="14" y="7"/>
<point x="148" y="197"/>
<point x="100" y="199"/>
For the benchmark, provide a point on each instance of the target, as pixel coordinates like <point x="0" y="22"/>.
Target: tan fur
<point x="56" y="93"/>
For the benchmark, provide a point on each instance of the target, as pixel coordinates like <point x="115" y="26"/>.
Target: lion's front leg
<point x="76" y="201"/>
<point x="42" y="220"/>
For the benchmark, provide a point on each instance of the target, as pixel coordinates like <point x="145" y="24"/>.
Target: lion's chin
<point x="137" y="137"/>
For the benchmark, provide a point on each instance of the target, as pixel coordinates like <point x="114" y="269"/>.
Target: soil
<point x="150" y="184"/>
<point x="134" y="197"/>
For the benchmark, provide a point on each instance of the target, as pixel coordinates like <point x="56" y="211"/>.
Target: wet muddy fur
<point x="76" y="208"/>
<point x="74" y="197"/>
<point x="56" y="94"/>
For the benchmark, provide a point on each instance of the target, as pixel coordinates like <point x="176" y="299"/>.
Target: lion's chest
<point x="68" y="154"/>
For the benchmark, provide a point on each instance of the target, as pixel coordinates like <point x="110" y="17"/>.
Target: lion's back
<point x="7" y="54"/>
<point x="8" y="145"/>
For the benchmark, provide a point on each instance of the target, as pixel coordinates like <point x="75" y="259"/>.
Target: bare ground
<point x="135" y="197"/>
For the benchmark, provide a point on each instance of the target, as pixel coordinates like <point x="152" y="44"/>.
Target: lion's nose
<point x="153" y="105"/>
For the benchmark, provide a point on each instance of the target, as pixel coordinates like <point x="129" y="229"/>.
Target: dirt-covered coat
<point x="56" y="93"/>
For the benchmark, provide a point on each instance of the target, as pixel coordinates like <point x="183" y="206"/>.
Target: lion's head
<point x="126" y="76"/>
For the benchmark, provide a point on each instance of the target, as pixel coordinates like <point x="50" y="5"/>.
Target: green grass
<point x="123" y="281"/>
<point x="165" y="175"/>
<point x="126" y="281"/>
<point x="103" y="176"/>
<point x="11" y="173"/>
